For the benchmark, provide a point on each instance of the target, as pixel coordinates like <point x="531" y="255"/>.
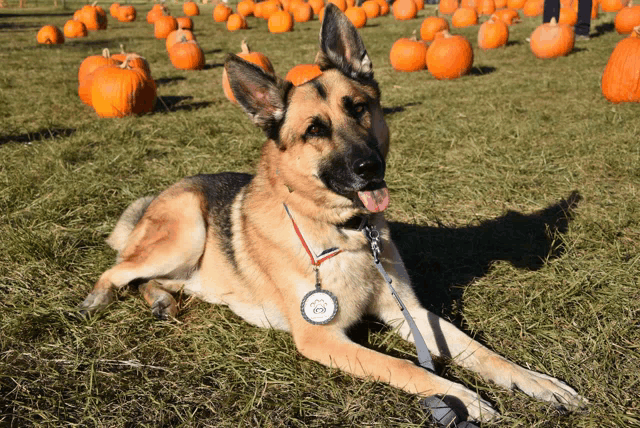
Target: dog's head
<point x="330" y="134"/>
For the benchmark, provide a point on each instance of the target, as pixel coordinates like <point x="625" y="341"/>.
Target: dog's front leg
<point x="444" y="339"/>
<point x="331" y="347"/>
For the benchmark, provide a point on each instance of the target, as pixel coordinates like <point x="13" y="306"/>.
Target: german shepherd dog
<point x="249" y="242"/>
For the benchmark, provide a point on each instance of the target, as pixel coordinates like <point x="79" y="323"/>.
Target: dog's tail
<point x="128" y="220"/>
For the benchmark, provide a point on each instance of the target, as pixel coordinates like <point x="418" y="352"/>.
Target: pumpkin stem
<point x="414" y="37"/>
<point x="244" y="47"/>
<point x="122" y="51"/>
<point x="106" y="53"/>
<point x="636" y="32"/>
<point x="553" y="21"/>
<point x="125" y="64"/>
<point x="94" y="3"/>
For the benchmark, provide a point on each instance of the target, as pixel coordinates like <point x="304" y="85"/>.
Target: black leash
<point x="441" y="413"/>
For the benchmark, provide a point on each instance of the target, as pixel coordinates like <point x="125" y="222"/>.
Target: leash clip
<point x="373" y="236"/>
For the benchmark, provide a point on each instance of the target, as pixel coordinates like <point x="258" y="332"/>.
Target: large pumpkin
<point x="280" y="22"/>
<point x="449" y="57"/>
<point x="408" y="55"/>
<point x="74" y="29"/>
<point x="493" y="33"/>
<point x="302" y="73"/>
<point x="50" y="35"/>
<point x="552" y="40"/>
<point x="119" y="91"/>
<point x="134" y="60"/>
<point x="627" y="19"/>
<point x="254" y="57"/>
<point x="404" y="10"/>
<point x="621" y="77"/>
<point x="178" y="35"/>
<point x="187" y="55"/>
<point x="85" y="73"/>
<point x="431" y="25"/>
<point x="357" y="16"/>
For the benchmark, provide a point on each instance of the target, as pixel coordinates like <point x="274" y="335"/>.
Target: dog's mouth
<point x="375" y="198"/>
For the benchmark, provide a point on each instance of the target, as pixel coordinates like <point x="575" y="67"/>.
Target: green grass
<point x="516" y="136"/>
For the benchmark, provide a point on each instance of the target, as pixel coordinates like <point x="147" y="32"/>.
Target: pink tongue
<point x="375" y="200"/>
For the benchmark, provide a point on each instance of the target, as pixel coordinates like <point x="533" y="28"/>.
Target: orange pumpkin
<point x="384" y="7"/>
<point x="612" y="5"/>
<point x="449" y="57"/>
<point x="447" y="7"/>
<point x="236" y="22"/>
<point x="471" y="4"/>
<point x="302" y="12"/>
<point x="135" y="60"/>
<point x="508" y="16"/>
<point x="501" y="4"/>
<point x="163" y="26"/>
<point x="187" y="55"/>
<point x="85" y="73"/>
<point x="515" y="4"/>
<point x="93" y="17"/>
<point x="50" y="35"/>
<point x="371" y="9"/>
<point x="552" y="40"/>
<point x="256" y="58"/>
<point x="486" y="7"/>
<point x="357" y="16"/>
<point x="190" y="8"/>
<point x="221" y="12"/>
<point x="185" y="23"/>
<point x="464" y="17"/>
<point x="302" y="73"/>
<point x="113" y="10"/>
<point x="404" y="10"/>
<point x="533" y="8"/>
<point x="567" y="16"/>
<point x="280" y="22"/>
<point x="270" y="7"/>
<point x="316" y="5"/>
<point x="73" y="29"/>
<point x="419" y="4"/>
<point x="626" y="20"/>
<point x="245" y="8"/>
<point x="126" y="13"/>
<point x="156" y="12"/>
<point x="621" y="77"/>
<point x="431" y="25"/>
<point x="493" y="33"/>
<point x="342" y="4"/>
<point x="408" y="55"/>
<point x="177" y="36"/>
<point x="120" y="91"/>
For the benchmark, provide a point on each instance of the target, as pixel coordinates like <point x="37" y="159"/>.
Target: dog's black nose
<point x="368" y="169"/>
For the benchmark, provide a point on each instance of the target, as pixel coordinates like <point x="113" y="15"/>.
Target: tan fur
<point x="176" y="242"/>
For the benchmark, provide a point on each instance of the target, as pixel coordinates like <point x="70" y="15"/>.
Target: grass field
<point x="481" y="174"/>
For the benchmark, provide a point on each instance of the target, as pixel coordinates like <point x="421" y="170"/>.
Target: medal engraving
<point x="319" y="307"/>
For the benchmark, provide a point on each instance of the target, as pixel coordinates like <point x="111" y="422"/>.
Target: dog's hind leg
<point x="167" y="243"/>
<point x="163" y="305"/>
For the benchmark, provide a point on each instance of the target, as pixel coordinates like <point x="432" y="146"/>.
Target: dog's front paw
<point x="468" y="405"/>
<point x="96" y="301"/>
<point x="547" y="388"/>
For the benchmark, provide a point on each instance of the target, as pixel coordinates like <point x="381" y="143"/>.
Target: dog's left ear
<point x="260" y="94"/>
<point x="341" y="46"/>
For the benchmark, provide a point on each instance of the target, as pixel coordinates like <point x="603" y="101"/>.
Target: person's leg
<point x="551" y="10"/>
<point x="584" y="18"/>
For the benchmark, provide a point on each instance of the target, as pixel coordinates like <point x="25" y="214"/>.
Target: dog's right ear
<point x="260" y="94"/>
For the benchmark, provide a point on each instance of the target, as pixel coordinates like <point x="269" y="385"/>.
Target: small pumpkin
<point x="357" y="16"/>
<point x="236" y="22"/>
<point x="447" y="7"/>
<point x="408" y="54"/>
<point x="280" y="22"/>
<point x="486" y="7"/>
<point x="384" y="7"/>
<point x="247" y="54"/>
<point x="93" y="17"/>
<point x="431" y="25"/>
<point x="185" y="23"/>
<point x="163" y="26"/>
<point x="73" y="29"/>
<point x="302" y="12"/>
<point x="187" y="55"/>
<point x="190" y="8"/>
<point x="449" y="57"/>
<point x="342" y="4"/>
<point x="270" y="7"/>
<point x="567" y="16"/>
<point x="501" y="4"/>
<point x="515" y="4"/>
<point x="135" y="60"/>
<point x="221" y="12"/>
<point x="158" y="10"/>
<point x="86" y="69"/>
<point x="626" y="19"/>
<point x="178" y="35"/>
<point x="508" y="16"/>
<point x="245" y="8"/>
<point x="612" y="5"/>
<point x="464" y="17"/>
<point x="552" y="40"/>
<point x="120" y="91"/>
<point x="302" y="73"/>
<point x="404" y="10"/>
<point x="533" y="8"/>
<point x="316" y="5"/>
<point x="493" y="33"/>
<point x="50" y="35"/>
<point x="113" y="10"/>
<point x="126" y="13"/>
<point x="419" y="4"/>
<point x="371" y="9"/>
<point x="471" y="4"/>
<point x="621" y="77"/>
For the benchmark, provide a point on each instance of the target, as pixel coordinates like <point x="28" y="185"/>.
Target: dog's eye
<point x="316" y="130"/>
<point x="313" y="130"/>
<point x="358" y="110"/>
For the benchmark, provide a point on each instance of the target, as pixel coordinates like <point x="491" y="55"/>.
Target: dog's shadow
<point x="442" y="260"/>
